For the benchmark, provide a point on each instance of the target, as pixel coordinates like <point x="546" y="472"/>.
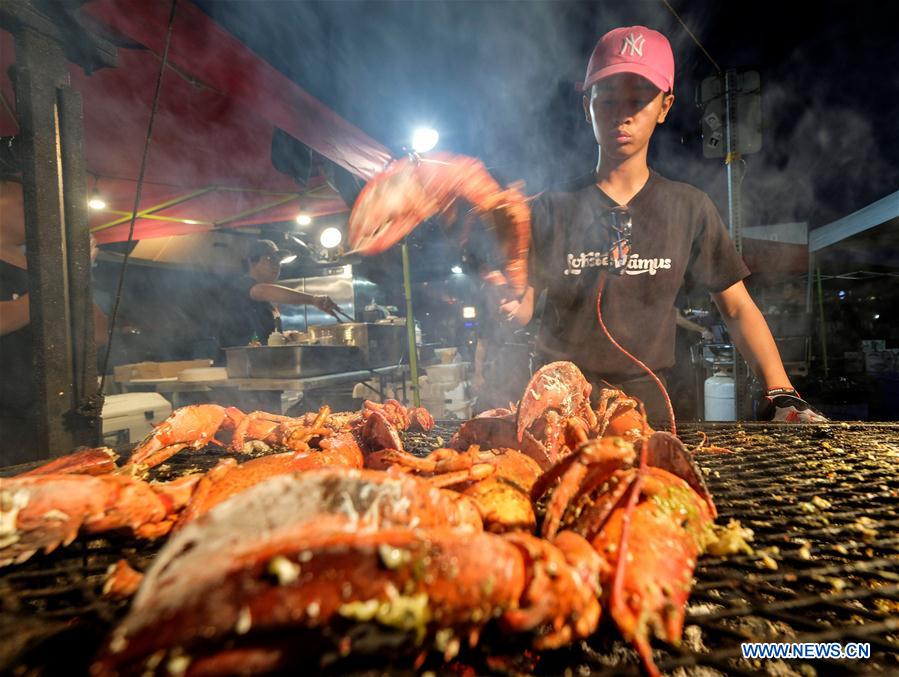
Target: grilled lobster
<point x="646" y="510"/>
<point x="338" y="552"/>
<point x="499" y="480"/>
<point x="51" y="505"/>
<point x="413" y="189"/>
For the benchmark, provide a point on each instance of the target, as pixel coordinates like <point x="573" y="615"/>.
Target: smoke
<point x="497" y="80"/>
<point x="818" y="163"/>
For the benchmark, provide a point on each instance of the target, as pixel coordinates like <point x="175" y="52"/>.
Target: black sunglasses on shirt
<point x="621" y="225"/>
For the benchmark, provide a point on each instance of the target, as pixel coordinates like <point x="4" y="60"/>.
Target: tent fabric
<point x="210" y="156"/>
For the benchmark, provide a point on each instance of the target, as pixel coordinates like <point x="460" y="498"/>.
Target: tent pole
<point x="410" y="327"/>
<point x="65" y="411"/>
<point x="823" y="325"/>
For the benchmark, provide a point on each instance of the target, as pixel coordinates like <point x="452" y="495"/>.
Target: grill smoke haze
<point x="496" y="79"/>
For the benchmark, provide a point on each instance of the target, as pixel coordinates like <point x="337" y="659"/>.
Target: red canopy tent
<point x="210" y="156"/>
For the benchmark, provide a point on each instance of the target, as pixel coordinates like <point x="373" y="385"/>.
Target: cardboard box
<point x="882" y="361"/>
<point x="874" y="344"/>
<point x="156" y="370"/>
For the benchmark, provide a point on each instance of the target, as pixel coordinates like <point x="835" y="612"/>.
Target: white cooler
<point x="129" y="417"/>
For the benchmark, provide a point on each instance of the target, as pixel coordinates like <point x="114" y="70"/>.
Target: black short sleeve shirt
<point x="246" y="318"/>
<point x="677" y="237"/>
<point x="17" y="384"/>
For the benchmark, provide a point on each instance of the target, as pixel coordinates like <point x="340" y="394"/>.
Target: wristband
<point x="774" y="392"/>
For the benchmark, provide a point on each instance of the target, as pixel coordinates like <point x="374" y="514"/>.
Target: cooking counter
<point x="273" y="387"/>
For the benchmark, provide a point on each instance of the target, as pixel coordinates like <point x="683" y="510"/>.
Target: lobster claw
<point x="665" y="451"/>
<point x="557" y="385"/>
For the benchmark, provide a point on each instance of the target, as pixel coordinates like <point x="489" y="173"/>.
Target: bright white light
<point x="469" y="312"/>
<point x="456" y="270"/>
<point x="841" y="294"/>
<point x="290" y="258"/>
<point x="191" y="222"/>
<point x="330" y="237"/>
<point x="876" y="316"/>
<point x="424" y="139"/>
<point x="304" y="219"/>
<point x="96" y="203"/>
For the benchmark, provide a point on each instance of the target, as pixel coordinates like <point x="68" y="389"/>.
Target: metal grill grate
<point x="823" y="503"/>
<point x="827" y="499"/>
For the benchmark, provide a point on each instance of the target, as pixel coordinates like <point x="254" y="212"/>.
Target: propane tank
<point x="720" y="404"/>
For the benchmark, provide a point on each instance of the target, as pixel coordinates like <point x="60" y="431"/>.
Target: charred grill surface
<point x="822" y="501"/>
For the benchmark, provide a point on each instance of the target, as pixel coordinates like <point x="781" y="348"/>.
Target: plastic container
<point x="449" y="374"/>
<point x="720" y="404"/>
<point x="130" y="417"/>
<point x="461" y="410"/>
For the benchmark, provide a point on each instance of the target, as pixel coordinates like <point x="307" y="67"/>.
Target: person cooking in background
<point x="677" y="236"/>
<point x="17" y="387"/>
<point x="704" y="332"/>
<point x="501" y="359"/>
<point x="683" y="375"/>
<point x="253" y="314"/>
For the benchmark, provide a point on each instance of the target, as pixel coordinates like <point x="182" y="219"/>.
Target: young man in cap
<point x="257" y="295"/>
<point x="677" y="236"/>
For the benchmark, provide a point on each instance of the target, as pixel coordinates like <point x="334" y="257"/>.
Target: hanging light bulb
<point x="304" y="219"/>
<point x="330" y="237"/>
<point x="96" y="201"/>
<point x="424" y="139"/>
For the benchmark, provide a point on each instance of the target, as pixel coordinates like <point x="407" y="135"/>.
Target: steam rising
<point x="496" y="78"/>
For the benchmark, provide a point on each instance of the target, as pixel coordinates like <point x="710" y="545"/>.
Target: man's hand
<point x="785" y="404"/>
<point x="326" y="305"/>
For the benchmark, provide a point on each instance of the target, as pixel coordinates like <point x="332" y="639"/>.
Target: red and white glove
<point x="785" y="404"/>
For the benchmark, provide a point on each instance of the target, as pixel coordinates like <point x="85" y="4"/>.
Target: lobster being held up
<point x="413" y="189"/>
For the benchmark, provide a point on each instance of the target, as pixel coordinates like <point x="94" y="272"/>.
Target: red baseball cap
<point x="632" y="49"/>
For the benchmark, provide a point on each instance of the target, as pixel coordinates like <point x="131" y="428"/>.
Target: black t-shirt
<point x="16" y="356"/>
<point x="677" y="237"/>
<point x="246" y="318"/>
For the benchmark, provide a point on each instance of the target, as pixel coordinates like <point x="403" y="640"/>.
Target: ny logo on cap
<point x="633" y="45"/>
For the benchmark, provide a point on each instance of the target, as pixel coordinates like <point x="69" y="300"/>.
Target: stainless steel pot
<point x="291" y="361"/>
<point x="382" y="344"/>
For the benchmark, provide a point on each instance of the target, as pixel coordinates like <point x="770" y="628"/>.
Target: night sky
<point x="497" y="80"/>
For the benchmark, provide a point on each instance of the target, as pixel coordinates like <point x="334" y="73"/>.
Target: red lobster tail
<point x="664" y="450"/>
<point x="618" y="606"/>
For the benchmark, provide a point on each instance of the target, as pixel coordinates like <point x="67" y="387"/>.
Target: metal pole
<point x="410" y="327"/>
<point x="86" y="418"/>
<point x="66" y="410"/>
<point x="40" y="69"/>
<point x="742" y="403"/>
<point x="734" y="169"/>
<point x="823" y="325"/>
